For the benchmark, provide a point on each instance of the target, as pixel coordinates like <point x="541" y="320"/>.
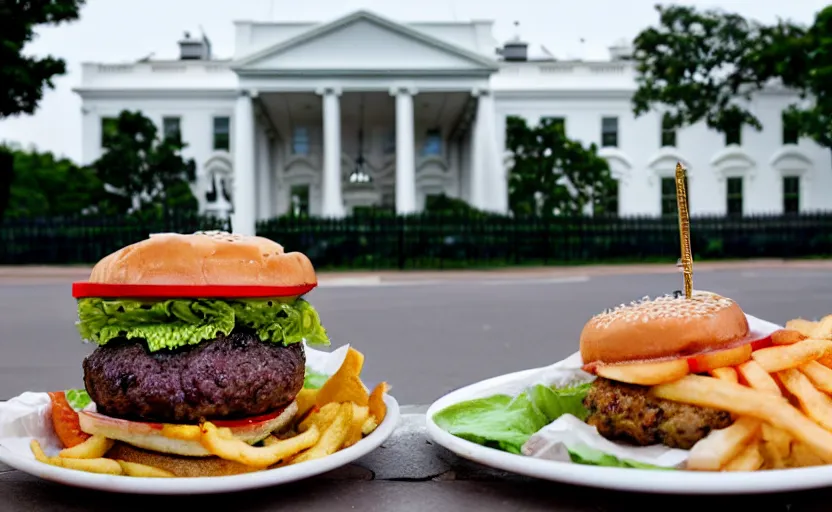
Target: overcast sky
<point x="126" y="30"/>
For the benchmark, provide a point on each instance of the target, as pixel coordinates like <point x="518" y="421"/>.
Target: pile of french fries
<point x="780" y="401"/>
<point x="331" y="418"/>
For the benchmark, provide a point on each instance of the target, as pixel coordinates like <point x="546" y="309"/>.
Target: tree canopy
<point x="143" y="169"/>
<point x="700" y="66"/>
<point x="552" y="174"/>
<point x="25" y="77"/>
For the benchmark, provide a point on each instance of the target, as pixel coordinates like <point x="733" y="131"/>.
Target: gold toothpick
<point x="684" y="228"/>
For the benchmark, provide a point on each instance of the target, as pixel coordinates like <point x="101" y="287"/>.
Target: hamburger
<point x="653" y="341"/>
<point x="191" y="328"/>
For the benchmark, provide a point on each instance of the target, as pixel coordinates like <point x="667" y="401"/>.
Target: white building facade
<point x="364" y="111"/>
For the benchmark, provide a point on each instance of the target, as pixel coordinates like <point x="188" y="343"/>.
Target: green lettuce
<point x="505" y="423"/>
<point x="314" y="380"/>
<point x="179" y="322"/>
<point x="77" y="398"/>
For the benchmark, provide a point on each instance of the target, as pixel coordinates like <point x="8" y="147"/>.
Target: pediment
<point x="364" y="42"/>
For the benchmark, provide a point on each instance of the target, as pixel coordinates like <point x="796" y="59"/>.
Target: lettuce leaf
<point x="77" y="398"/>
<point x="583" y="454"/>
<point x="178" y="322"/>
<point x="314" y="380"/>
<point x="505" y="422"/>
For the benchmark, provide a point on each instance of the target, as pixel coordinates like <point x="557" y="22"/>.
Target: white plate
<point x="624" y="479"/>
<point x="212" y="484"/>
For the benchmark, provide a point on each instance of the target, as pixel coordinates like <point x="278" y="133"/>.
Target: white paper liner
<point x="29" y="415"/>
<point x="552" y="441"/>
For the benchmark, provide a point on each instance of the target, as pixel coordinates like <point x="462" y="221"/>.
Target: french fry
<point x="787" y="337"/>
<point x="306" y="401"/>
<point x="757" y="378"/>
<point x="803" y="326"/>
<point x="802" y="456"/>
<point x="345" y="385"/>
<point x="783" y="357"/>
<point x="826" y="360"/>
<point x="369" y="426"/>
<point x="744" y="401"/>
<point x="814" y="403"/>
<point x="97" y="465"/>
<point x="749" y="459"/>
<point x="332" y="438"/>
<point x="93" y="448"/>
<point x="823" y="330"/>
<point x="220" y="443"/>
<point x="820" y="375"/>
<point x="360" y="414"/>
<point x="183" y="432"/>
<point x="725" y="373"/>
<point x="378" y="409"/>
<point x="775" y="446"/>
<point x="322" y="418"/>
<point x="143" y="470"/>
<point x="720" y="446"/>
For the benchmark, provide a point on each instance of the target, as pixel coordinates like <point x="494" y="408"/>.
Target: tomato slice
<point x="65" y="421"/>
<point x="83" y="289"/>
<point x="250" y="420"/>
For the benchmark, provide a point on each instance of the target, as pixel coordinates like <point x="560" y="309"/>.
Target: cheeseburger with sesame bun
<point x="654" y="341"/>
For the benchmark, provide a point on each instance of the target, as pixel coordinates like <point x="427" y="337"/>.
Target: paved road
<point x="426" y="339"/>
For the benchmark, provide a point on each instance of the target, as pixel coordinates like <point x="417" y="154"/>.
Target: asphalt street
<point x="424" y="338"/>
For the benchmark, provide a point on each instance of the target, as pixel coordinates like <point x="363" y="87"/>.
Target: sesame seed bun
<point x="205" y="258"/>
<point x="663" y="327"/>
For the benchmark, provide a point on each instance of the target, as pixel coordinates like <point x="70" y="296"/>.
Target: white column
<point x="264" y="173"/>
<point x="489" y="188"/>
<point x="405" y="150"/>
<point x="332" y="201"/>
<point x="244" y="219"/>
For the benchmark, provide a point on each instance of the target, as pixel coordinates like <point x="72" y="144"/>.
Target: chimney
<point x="515" y="50"/>
<point x="621" y="50"/>
<point x="194" y="49"/>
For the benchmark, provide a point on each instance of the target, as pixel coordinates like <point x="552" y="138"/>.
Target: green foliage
<point x="24" y="77"/>
<point x="552" y="174"/>
<point x="45" y="186"/>
<point x="701" y="65"/>
<point x="138" y="163"/>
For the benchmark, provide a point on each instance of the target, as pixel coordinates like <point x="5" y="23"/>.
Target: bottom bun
<point x="178" y="465"/>
<point x="152" y="436"/>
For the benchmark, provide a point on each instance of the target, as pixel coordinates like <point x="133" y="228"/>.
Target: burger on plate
<point x="190" y="328"/>
<point x="654" y="341"/>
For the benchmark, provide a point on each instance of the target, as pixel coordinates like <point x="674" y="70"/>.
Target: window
<point x="390" y="142"/>
<point x="608" y="203"/>
<point x="668" y="138"/>
<point x="109" y="127"/>
<point x="790" y="129"/>
<point x="609" y="132"/>
<point x="734" y="195"/>
<point x="791" y="194"/>
<point x="221" y="133"/>
<point x="433" y="143"/>
<point x="300" y="141"/>
<point x="171" y="129"/>
<point x="299" y="197"/>
<point x="556" y="121"/>
<point x="733" y="134"/>
<point x="668" y="197"/>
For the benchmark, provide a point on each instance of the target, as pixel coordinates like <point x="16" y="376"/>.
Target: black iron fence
<point x="437" y="241"/>
<point x="87" y="239"/>
<point x="459" y="241"/>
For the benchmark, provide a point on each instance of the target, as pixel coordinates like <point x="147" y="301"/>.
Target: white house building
<point x="362" y="110"/>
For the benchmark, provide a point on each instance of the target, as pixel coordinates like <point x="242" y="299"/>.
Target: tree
<point x="146" y="171"/>
<point x="552" y="174"/>
<point x="24" y="77"/>
<point x="48" y="186"/>
<point x="703" y="66"/>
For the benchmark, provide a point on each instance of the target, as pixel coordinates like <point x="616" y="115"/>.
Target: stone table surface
<point x="408" y="472"/>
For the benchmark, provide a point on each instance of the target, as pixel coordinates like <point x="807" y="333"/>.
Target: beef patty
<point x="628" y="413"/>
<point x="230" y="377"/>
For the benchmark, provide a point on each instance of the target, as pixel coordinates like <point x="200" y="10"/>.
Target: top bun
<point x="204" y="258"/>
<point x="662" y="327"/>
